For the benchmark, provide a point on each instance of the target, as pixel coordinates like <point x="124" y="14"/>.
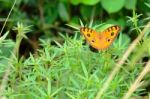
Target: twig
<point x="137" y="82"/>
<point x="40" y="6"/>
<point x="7" y="17"/>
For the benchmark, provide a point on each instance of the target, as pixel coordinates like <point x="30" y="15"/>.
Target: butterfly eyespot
<point x="108" y="40"/>
<point x="88" y="35"/>
<point x="112" y="33"/>
<point x="93" y="41"/>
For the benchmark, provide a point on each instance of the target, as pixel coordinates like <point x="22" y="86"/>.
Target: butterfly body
<point x="101" y="40"/>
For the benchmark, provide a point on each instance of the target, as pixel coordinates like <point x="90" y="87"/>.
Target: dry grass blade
<point x="121" y="62"/>
<point x="7" y="17"/>
<point x="137" y="82"/>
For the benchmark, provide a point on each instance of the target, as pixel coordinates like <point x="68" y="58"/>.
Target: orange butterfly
<point x="102" y="40"/>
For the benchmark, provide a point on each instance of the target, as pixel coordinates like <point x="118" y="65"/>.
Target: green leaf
<point x="50" y="14"/>
<point x="75" y="2"/>
<point x="74" y="20"/>
<point x="63" y="13"/>
<point x="130" y="4"/>
<point x="86" y="11"/>
<point x="86" y="2"/>
<point x="120" y="22"/>
<point x="6" y="44"/>
<point x="90" y="2"/>
<point x="2" y="38"/>
<point x="102" y="27"/>
<point x="112" y="6"/>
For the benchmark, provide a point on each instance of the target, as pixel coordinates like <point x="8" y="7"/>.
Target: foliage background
<point x="51" y="60"/>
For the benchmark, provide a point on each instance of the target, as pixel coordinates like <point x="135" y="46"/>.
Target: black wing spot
<point x="111" y="28"/>
<point x="115" y="27"/>
<point x="93" y="41"/>
<point x="108" y="40"/>
<point x="91" y="31"/>
<point x="88" y="35"/>
<point x="112" y="33"/>
<point x="84" y="28"/>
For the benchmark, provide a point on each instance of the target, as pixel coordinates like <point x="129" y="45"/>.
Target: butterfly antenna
<point x="7" y="17"/>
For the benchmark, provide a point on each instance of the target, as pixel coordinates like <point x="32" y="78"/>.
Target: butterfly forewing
<point x="107" y="36"/>
<point x="88" y="33"/>
<point x="112" y="32"/>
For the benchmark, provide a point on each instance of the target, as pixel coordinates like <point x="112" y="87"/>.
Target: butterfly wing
<point x="102" y="40"/>
<point x="108" y="36"/>
<point x="91" y="36"/>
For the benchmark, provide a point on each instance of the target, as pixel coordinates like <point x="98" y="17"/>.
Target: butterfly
<point x="103" y="40"/>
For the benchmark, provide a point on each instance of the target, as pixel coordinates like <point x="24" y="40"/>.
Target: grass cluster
<point x="67" y="71"/>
